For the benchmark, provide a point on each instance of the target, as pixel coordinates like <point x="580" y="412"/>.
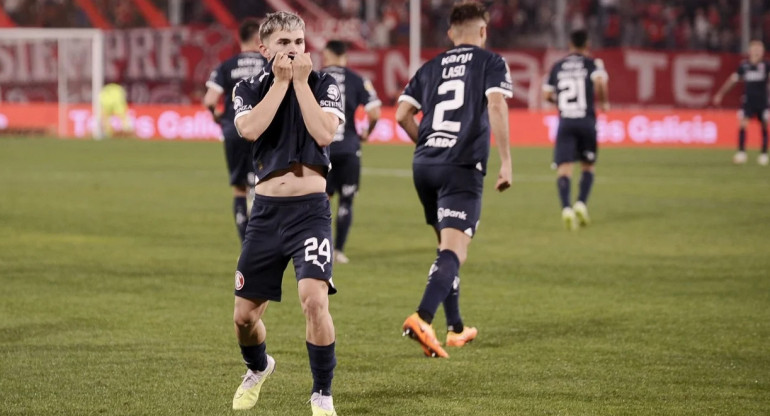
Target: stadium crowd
<point x="711" y="25"/>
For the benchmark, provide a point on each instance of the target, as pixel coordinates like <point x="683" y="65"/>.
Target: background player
<point x="754" y="73"/>
<point x="572" y="83"/>
<point x="291" y="114"/>
<point x="112" y="100"/>
<point x="247" y="63"/>
<point x="345" y="151"/>
<point x="461" y="93"/>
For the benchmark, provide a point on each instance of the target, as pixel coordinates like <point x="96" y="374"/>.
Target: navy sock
<point x="254" y="356"/>
<point x="764" y="138"/>
<point x="586" y="182"/>
<point x="322" y="363"/>
<point x="440" y="280"/>
<point x="344" y="219"/>
<point x="240" y="215"/>
<point x="454" y="321"/>
<point x="742" y="139"/>
<point x="563" y="183"/>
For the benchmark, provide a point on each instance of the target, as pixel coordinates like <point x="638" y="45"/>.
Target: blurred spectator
<point x="661" y="24"/>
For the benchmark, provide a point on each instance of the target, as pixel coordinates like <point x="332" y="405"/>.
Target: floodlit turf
<point x="116" y="276"/>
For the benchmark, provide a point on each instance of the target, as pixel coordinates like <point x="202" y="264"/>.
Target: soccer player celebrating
<point x="346" y="148"/>
<point x="572" y="84"/>
<point x="247" y="63"/>
<point x="461" y="94"/>
<point x="291" y="114"/>
<point x="754" y="74"/>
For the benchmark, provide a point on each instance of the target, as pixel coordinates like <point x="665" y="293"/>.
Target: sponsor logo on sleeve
<point x="238" y="105"/>
<point x="333" y="92"/>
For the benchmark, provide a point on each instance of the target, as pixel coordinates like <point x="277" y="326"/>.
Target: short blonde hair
<point x="274" y="22"/>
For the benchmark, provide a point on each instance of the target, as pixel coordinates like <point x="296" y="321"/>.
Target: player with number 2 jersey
<point x="461" y="94"/>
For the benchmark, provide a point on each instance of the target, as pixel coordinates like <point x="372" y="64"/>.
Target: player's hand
<point x="217" y="115"/>
<point x="504" y="178"/>
<point x="717" y="100"/>
<point x="364" y="135"/>
<point x="302" y="66"/>
<point x="606" y="106"/>
<point x="282" y="67"/>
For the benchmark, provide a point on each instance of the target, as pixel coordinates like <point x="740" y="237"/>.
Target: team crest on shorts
<point x="238" y="280"/>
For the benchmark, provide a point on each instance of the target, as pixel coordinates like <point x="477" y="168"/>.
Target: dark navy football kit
<point x="286" y="228"/>
<point x="450" y="158"/>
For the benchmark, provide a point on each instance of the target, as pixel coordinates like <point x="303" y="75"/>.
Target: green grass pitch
<point x="116" y="276"/>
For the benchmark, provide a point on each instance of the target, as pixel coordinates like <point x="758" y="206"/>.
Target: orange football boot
<point x="422" y="332"/>
<point x="454" y="339"/>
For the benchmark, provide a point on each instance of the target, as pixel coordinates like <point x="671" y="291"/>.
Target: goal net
<point x="50" y="81"/>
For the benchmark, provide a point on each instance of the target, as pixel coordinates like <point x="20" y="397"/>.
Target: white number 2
<point x="458" y="86"/>
<point x="313" y="250"/>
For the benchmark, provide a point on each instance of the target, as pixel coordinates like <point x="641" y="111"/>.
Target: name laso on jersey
<point x="455" y="71"/>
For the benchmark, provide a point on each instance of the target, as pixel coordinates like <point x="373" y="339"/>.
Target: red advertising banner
<point x="683" y="128"/>
<point x="171" y="66"/>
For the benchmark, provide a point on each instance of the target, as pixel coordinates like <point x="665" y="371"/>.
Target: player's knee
<point x="244" y="319"/>
<point x="462" y="255"/>
<point x="314" y="306"/>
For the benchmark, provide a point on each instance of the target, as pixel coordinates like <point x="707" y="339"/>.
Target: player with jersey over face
<point x="290" y="113"/>
<point x="461" y="94"/>
<point x="344" y="177"/>
<point x="572" y="84"/>
<point x="247" y="63"/>
<point x="754" y="74"/>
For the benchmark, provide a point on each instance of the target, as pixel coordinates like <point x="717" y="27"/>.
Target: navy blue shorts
<point x="238" y="156"/>
<point x="750" y="111"/>
<point x="575" y="140"/>
<point x="282" y="229"/>
<point x="345" y="175"/>
<point x="450" y="195"/>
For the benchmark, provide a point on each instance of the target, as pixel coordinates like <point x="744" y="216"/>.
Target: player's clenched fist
<point x="302" y="66"/>
<point x="282" y="67"/>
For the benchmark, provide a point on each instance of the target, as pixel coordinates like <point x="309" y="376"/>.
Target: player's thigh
<point x="762" y="115"/>
<point x="239" y="160"/>
<point x="565" y="148"/>
<point x="427" y="182"/>
<point x="261" y="265"/>
<point x="308" y="238"/>
<point x="587" y="146"/>
<point x="459" y="200"/>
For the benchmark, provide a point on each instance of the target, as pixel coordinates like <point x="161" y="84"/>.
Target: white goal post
<point x="69" y="45"/>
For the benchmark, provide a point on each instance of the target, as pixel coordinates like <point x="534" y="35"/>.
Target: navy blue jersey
<point x="228" y="73"/>
<point x="451" y="90"/>
<point x="356" y="91"/>
<point x="754" y="77"/>
<point x="286" y="140"/>
<point x="572" y="80"/>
